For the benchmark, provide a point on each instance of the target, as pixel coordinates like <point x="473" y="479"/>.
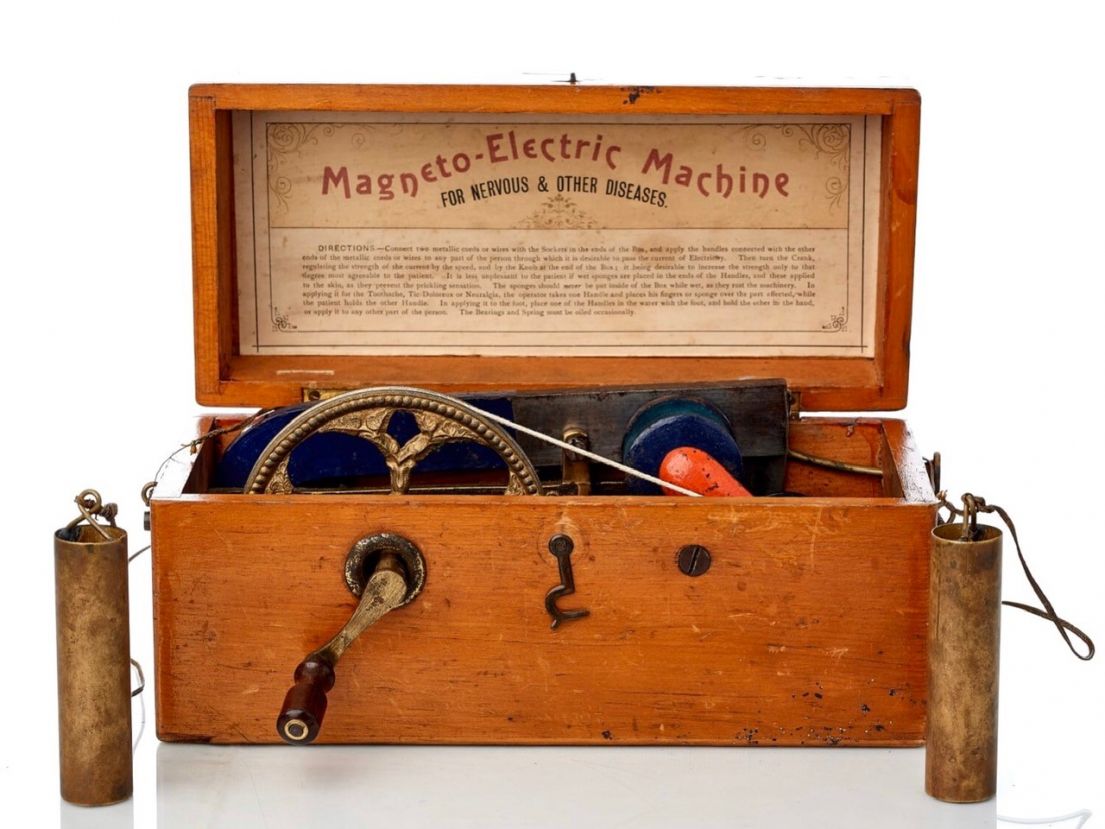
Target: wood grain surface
<point x="809" y="627"/>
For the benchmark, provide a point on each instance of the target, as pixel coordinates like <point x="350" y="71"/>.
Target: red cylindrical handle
<point x="697" y="471"/>
<point x="305" y="703"/>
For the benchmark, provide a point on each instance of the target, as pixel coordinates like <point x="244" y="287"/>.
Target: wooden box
<point x="810" y="626"/>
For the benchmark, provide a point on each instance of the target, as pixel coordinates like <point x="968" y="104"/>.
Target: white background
<point x="1005" y="379"/>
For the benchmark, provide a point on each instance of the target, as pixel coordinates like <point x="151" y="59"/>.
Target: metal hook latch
<point x="561" y="546"/>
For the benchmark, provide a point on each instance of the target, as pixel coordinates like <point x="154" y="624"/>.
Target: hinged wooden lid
<point x="484" y="238"/>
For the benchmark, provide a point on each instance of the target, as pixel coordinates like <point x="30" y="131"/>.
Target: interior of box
<point x="868" y="443"/>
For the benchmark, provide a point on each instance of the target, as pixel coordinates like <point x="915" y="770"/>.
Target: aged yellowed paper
<point x="385" y="234"/>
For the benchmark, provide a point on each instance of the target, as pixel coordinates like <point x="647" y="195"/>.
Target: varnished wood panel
<point x="901" y="155"/>
<point x="825" y="382"/>
<point x="702" y="100"/>
<point x="808" y="629"/>
<point x="226" y="378"/>
<point x="208" y="312"/>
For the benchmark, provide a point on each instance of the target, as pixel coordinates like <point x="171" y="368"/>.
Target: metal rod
<point x="839" y="466"/>
<point x="586" y="453"/>
<point x="558" y="487"/>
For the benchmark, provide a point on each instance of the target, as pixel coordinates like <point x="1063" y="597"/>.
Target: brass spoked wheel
<point x="366" y="413"/>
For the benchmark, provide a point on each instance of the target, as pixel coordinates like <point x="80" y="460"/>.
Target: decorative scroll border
<point x="558" y="212"/>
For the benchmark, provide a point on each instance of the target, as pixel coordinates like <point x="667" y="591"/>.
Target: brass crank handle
<point x="397" y="578"/>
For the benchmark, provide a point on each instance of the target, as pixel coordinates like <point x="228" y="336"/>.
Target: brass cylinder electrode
<point x="93" y="652"/>
<point x="961" y="755"/>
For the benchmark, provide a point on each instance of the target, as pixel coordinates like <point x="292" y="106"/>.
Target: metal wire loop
<point x="972" y="506"/>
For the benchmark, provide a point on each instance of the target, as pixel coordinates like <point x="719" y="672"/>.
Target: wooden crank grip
<point x="305" y="703"/>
